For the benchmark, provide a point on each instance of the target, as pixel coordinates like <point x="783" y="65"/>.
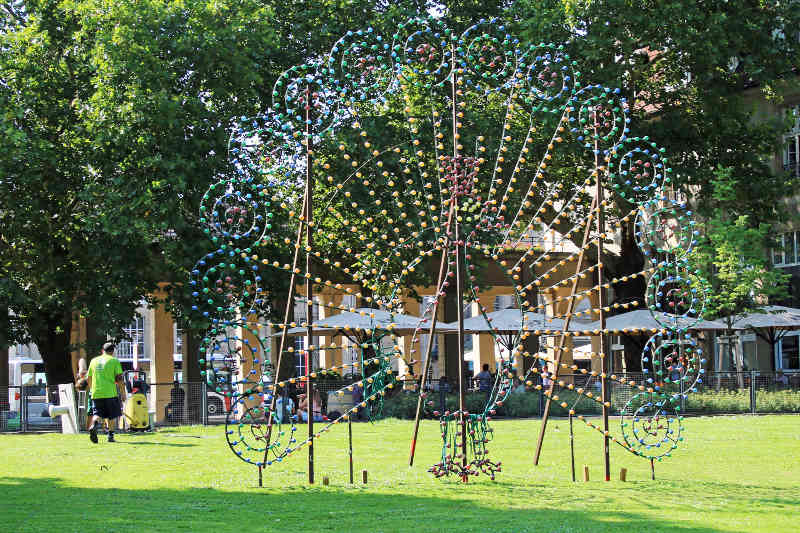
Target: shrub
<point x="526" y="404"/>
<point x="402" y="405"/>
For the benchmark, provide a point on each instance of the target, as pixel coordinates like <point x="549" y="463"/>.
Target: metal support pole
<point x="460" y="309"/>
<point x="459" y="252"/>
<point x="752" y="392"/>
<point x="23" y="411"/>
<point x="289" y="307"/>
<point x="309" y="289"/>
<point x="204" y="402"/>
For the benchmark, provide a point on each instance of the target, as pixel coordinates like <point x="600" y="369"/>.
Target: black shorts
<point x="106" y="407"/>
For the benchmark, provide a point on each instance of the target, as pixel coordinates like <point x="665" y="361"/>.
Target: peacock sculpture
<point x="433" y="158"/>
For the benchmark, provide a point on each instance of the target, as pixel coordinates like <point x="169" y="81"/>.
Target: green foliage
<point x="114" y="119"/>
<point x="71" y="238"/>
<point x="671" y="61"/>
<point x="517" y="405"/>
<point x="732" y="256"/>
<point x="738" y="401"/>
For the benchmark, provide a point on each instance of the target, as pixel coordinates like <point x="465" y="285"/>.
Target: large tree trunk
<point x="630" y="261"/>
<point x="633" y="352"/>
<point x="4" y="343"/>
<point x="191" y="368"/>
<point x="451" y="364"/>
<point x="95" y="338"/>
<point x="3" y="381"/>
<point x="530" y="344"/>
<point x="52" y="339"/>
<point x="191" y="373"/>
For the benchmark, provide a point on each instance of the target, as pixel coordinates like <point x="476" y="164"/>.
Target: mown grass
<point x="732" y="474"/>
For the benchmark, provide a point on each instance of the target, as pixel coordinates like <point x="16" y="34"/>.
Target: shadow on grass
<point x="49" y="504"/>
<point x="151" y="443"/>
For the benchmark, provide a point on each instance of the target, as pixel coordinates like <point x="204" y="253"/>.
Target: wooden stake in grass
<point x="586" y="472"/>
<point x="364" y="476"/>
<point x="350" y="441"/>
<point x="623" y="474"/>
<point x="326" y="481"/>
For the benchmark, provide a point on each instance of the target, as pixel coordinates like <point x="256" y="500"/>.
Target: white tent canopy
<point x="367" y="320"/>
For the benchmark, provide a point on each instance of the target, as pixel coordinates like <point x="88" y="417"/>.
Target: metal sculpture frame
<point x="276" y="156"/>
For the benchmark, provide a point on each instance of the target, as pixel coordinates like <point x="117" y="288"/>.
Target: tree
<point x="115" y="119"/>
<point x="68" y="233"/>
<point x="692" y="72"/>
<point x="731" y="256"/>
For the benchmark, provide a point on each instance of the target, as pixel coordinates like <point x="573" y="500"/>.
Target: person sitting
<point x="316" y="407"/>
<point x="174" y="410"/>
<point x="485" y="379"/>
<point x="358" y="397"/>
<point x="284" y="409"/>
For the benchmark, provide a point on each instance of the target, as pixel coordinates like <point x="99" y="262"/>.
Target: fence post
<point x="204" y="402"/>
<point x="541" y="402"/>
<point x="752" y="392"/>
<point x="23" y="408"/>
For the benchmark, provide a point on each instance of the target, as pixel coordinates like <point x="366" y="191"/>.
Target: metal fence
<point x="721" y="393"/>
<point x="25" y="408"/>
<point x="182" y="404"/>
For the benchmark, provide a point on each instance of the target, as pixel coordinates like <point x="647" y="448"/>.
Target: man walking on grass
<point x="106" y="387"/>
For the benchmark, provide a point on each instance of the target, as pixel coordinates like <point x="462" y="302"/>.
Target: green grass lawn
<point x="732" y="474"/>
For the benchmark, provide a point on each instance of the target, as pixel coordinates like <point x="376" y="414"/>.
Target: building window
<point x="791" y="142"/>
<point x="178" y="339"/>
<point x="300" y="312"/>
<point x="468" y="344"/>
<point x="788" y="352"/>
<point x="349" y="350"/>
<point x="135" y="337"/>
<point x="749" y="350"/>
<point x="788" y="251"/>
<point x="504" y="301"/>
<point x="427" y="308"/>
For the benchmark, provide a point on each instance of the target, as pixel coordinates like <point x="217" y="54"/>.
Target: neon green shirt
<point x="104" y="370"/>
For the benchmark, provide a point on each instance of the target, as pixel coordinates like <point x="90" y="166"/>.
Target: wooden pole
<point x="601" y="220"/>
<point x="287" y="314"/>
<point x="585" y="473"/>
<point x="562" y="339"/>
<point x="652" y="470"/>
<point x="434" y="317"/>
<point x="350" y="444"/>
<point x="623" y="474"/>
<point x="364" y="477"/>
<point x="572" y="447"/>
